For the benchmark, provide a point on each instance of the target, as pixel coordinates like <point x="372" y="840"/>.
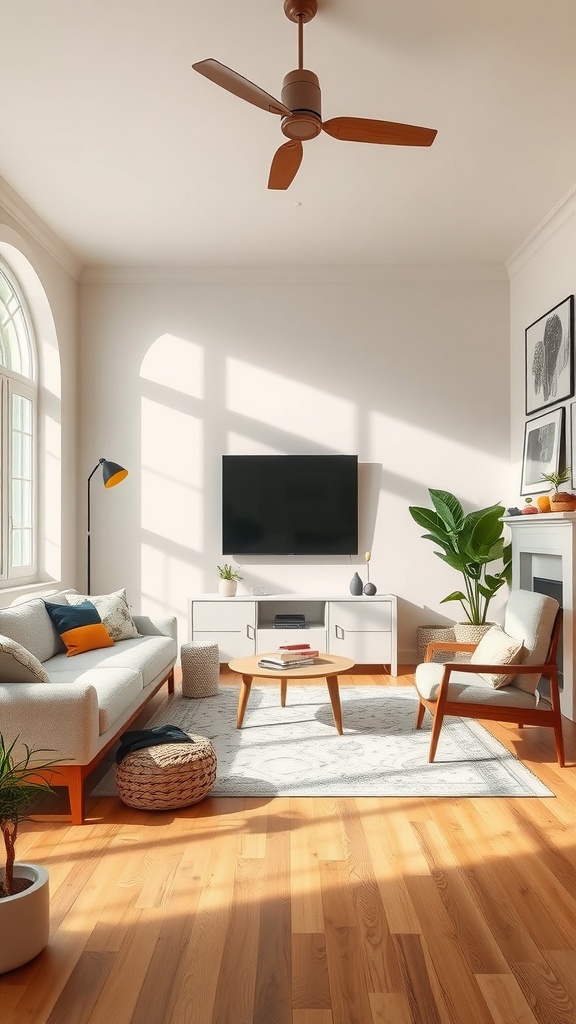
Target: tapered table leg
<point x="332" y="684"/>
<point x="283" y="690"/>
<point x="245" y="688"/>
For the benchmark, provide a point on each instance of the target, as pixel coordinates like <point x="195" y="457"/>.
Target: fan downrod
<point x="296" y="10"/>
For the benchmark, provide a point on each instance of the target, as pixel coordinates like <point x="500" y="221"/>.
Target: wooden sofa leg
<point x="436" y="727"/>
<point x="420" y="714"/>
<point x="171" y="682"/>
<point x="76" y="793"/>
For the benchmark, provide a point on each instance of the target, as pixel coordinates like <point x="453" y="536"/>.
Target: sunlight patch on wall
<point x="50" y="363"/>
<point x="175" y="363"/>
<point x="161" y="573"/>
<point x="172" y="473"/>
<point x="298" y="410"/>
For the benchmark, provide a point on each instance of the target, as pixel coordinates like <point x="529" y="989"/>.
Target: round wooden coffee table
<point x="326" y="666"/>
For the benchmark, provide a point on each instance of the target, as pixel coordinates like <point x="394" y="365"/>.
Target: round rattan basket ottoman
<point x="167" y="776"/>
<point x="200" y="669"/>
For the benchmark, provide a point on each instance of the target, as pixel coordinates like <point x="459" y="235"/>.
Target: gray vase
<point x="369" y="589"/>
<point x="356" y="585"/>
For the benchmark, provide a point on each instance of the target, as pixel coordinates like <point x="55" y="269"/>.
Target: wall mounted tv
<point x="290" y="504"/>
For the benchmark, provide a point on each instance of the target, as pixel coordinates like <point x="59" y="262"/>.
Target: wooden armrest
<point x="435" y="646"/>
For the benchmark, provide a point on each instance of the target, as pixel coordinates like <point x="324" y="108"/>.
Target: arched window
<point x="18" y="406"/>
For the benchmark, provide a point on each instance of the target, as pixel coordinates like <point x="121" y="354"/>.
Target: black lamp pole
<point x="112" y="474"/>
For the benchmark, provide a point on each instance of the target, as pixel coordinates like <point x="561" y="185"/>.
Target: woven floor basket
<point x="200" y="669"/>
<point x="167" y="776"/>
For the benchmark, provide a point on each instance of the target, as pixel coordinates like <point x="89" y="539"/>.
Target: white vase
<point x="25" y="918"/>
<point x="227" y="588"/>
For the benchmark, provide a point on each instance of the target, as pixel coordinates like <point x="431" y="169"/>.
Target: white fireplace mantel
<point x="544" y="544"/>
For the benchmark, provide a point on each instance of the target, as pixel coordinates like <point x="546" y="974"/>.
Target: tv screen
<point x="289" y="504"/>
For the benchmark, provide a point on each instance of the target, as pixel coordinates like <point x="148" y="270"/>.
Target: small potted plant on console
<point x="560" y="501"/>
<point x="228" y="580"/>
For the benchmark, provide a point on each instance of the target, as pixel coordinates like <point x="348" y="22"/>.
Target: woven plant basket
<point x="167" y="776"/>
<point x="468" y="633"/>
<point x="426" y="634"/>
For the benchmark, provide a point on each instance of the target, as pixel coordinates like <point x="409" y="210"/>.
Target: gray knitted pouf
<point x="200" y="669"/>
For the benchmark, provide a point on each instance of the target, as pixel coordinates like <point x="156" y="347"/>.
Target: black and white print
<point x="550" y="357"/>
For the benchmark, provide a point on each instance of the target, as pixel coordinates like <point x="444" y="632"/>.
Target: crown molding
<point x="38" y="230"/>
<point x="312" y="274"/>
<point x="558" y="216"/>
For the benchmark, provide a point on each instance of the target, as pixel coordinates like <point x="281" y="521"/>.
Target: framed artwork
<point x="542" y="444"/>
<point x="573" y="444"/>
<point x="550" y="357"/>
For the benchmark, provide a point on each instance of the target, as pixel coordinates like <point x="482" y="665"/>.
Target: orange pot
<point x="543" y="503"/>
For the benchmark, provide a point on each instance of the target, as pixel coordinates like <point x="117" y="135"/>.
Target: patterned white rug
<point x="296" y="751"/>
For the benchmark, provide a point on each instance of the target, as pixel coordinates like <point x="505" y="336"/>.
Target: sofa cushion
<point x="29" y="625"/>
<point x="150" y="655"/>
<point x="17" y="665"/>
<point x="79" y="626"/>
<point x="114" y="611"/>
<point x="116" y="688"/>
<point x="469" y="687"/>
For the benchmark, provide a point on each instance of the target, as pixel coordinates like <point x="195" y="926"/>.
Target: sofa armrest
<point x="57" y="717"/>
<point x="157" y="626"/>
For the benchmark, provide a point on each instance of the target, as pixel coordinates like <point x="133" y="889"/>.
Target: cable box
<point x="288" y="620"/>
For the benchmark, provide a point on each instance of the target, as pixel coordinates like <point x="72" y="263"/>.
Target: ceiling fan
<point x="300" y="108"/>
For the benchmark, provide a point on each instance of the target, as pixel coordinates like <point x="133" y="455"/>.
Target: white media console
<point x="361" y="628"/>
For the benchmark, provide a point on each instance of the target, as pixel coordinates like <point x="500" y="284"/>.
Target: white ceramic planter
<point x="25" y="919"/>
<point x="227" y="588"/>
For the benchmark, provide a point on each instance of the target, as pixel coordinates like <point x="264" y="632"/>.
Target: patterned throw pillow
<point x="17" y="665"/>
<point x="79" y="626"/>
<point x="114" y="611"/>
<point x="497" y="648"/>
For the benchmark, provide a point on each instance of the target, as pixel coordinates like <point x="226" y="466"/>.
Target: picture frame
<point x="573" y="444"/>
<point x="549" y="368"/>
<point x="541" y="453"/>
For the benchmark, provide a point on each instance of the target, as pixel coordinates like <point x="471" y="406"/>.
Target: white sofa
<point x="87" y="701"/>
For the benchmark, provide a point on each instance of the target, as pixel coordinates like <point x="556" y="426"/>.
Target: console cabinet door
<point x="230" y="625"/>
<point x="362" y="630"/>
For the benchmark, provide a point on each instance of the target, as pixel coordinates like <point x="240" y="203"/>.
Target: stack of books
<point x="289" y="656"/>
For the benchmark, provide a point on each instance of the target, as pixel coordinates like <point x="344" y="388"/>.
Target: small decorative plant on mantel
<point x="560" y="501"/>
<point x="470" y="544"/>
<point x="229" y="578"/>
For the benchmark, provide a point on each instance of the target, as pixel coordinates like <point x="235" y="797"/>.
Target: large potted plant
<point x="24" y="892"/>
<point x="470" y="544"/>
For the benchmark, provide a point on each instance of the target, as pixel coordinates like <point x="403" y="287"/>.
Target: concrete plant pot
<point x="25" y="919"/>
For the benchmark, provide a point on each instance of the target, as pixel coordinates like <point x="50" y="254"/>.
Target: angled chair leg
<point x="436" y="727"/>
<point x="420" y="714"/>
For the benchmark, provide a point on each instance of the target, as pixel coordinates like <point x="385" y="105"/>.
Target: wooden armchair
<point x="505" y="689"/>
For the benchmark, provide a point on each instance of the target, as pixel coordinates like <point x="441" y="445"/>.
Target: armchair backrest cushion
<point x="530" y="618"/>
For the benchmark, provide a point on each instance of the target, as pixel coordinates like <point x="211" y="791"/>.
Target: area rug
<point x="296" y="751"/>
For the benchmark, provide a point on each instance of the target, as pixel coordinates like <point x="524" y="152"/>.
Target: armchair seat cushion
<point x="470" y="688"/>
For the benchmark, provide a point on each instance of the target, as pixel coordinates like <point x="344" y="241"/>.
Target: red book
<point x="294" y="647"/>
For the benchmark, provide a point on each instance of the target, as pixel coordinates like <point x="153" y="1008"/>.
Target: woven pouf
<point x="200" y="669"/>
<point x="167" y="776"/>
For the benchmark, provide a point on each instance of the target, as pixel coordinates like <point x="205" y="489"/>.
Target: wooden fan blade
<point x="387" y="133"/>
<point x="285" y="164"/>
<point x="239" y="86"/>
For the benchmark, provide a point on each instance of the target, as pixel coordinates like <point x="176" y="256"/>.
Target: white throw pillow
<point x="497" y="648"/>
<point x="114" y="611"/>
<point x="17" y="665"/>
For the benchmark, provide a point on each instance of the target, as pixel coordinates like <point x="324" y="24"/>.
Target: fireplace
<point x="543" y="559"/>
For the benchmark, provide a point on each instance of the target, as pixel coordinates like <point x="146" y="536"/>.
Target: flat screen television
<point x="290" y="504"/>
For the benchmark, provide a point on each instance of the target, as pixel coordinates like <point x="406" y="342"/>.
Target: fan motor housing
<point x="301" y="94"/>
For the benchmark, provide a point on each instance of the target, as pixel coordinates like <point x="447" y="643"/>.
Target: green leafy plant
<point x="20" y="782"/>
<point x="226" y="572"/>
<point x="557" y="478"/>
<point x="468" y="543"/>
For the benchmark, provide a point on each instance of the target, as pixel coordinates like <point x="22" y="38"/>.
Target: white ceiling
<point x="134" y="159"/>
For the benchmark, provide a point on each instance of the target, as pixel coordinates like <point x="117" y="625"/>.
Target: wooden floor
<point x="312" y="911"/>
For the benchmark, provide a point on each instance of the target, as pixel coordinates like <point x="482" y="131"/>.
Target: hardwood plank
<point x="505" y="1000"/>
<point x="82" y="989"/>
<point x="310" y="982"/>
<point x="273" y="995"/>
<point x="234" y="998"/>
<point x="417" y="984"/>
<point x="544" y="993"/>
<point x="348" y="991"/>
<point x="305" y="889"/>
<point x="390" y="1008"/>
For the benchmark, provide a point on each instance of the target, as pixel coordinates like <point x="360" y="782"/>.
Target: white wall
<point x="48" y="272"/>
<point x="408" y="368"/>
<point x="542" y="274"/>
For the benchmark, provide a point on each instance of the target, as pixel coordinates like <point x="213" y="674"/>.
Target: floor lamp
<point x="112" y="474"/>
